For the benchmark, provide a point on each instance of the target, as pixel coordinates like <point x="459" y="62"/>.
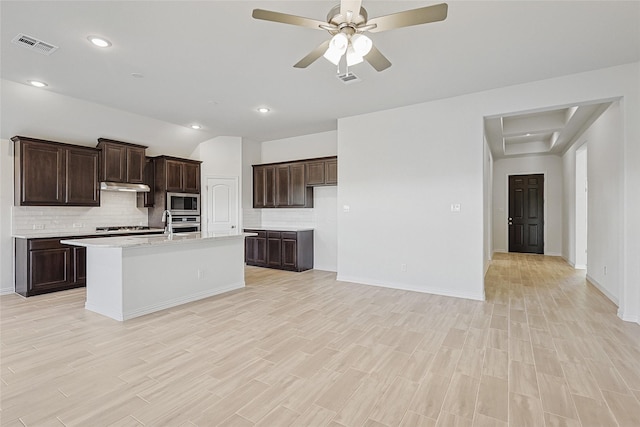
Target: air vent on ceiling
<point x="34" y="44"/>
<point x="348" y="78"/>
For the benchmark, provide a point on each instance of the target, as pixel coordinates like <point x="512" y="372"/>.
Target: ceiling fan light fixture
<point x="361" y="44"/>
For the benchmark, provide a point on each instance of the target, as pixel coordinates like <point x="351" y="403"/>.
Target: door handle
<point x="233" y="226"/>
<point x="510" y="219"/>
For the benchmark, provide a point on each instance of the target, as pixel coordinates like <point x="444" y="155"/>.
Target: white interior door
<point x="222" y="201"/>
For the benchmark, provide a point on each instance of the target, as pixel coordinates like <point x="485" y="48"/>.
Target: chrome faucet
<point x="168" y="220"/>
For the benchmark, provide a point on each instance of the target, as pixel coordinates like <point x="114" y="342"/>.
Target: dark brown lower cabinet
<point x="283" y="250"/>
<point x="46" y="265"/>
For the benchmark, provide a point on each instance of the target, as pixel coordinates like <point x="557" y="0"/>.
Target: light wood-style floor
<point x="545" y="349"/>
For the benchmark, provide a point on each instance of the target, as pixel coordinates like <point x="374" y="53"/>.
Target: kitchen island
<point x="132" y="276"/>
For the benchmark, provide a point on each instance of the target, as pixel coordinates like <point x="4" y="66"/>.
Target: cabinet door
<point x="174" y="175"/>
<point x="135" y="165"/>
<point x="191" y="177"/>
<point x="289" y="254"/>
<point x="261" y="251"/>
<point x="258" y="187"/>
<point x="297" y="187"/>
<point x="82" y="187"/>
<point x="148" y="199"/>
<point x="249" y="250"/>
<point x="49" y="268"/>
<point x="274" y="249"/>
<point x="42" y="174"/>
<point x="331" y="172"/>
<point x="315" y="173"/>
<point x="283" y="184"/>
<point x="269" y="186"/>
<point x="79" y="270"/>
<point x="114" y="162"/>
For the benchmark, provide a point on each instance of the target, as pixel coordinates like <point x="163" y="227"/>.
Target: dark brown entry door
<point x="526" y="213"/>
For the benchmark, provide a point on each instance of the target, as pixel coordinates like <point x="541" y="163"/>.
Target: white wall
<point x="6" y="202"/>
<point x="605" y="176"/>
<point x="487" y="189"/>
<point x="251" y="155"/>
<point x="581" y="209"/>
<point x="401" y="169"/>
<point x="221" y="158"/>
<point x="551" y="167"/>
<point x="322" y="217"/>
<point x="300" y="147"/>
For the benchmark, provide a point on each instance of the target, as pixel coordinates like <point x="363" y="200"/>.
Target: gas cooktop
<point x="123" y="228"/>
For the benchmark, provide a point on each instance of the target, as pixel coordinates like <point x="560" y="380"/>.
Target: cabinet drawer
<point x="291" y="235"/>
<point x="274" y="235"/>
<point x="45" y="244"/>
<point x="260" y="233"/>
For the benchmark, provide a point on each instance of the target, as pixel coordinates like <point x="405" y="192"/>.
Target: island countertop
<point x="153" y="240"/>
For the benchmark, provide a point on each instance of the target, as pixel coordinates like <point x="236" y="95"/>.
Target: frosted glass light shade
<point x="337" y="48"/>
<point x="353" y="57"/>
<point x="361" y="44"/>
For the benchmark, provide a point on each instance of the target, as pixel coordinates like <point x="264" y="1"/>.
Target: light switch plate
<point x="455" y="207"/>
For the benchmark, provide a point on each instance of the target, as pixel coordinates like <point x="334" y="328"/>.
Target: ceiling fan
<point x="346" y="23"/>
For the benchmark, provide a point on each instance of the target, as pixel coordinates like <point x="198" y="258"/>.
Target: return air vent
<point x="34" y="44"/>
<point x="348" y="78"/>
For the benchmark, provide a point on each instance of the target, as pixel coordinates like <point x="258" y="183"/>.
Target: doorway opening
<point x="526" y="213"/>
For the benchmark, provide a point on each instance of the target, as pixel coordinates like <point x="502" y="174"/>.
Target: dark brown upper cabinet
<point x="281" y="186"/>
<point x="177" y="175"/>
<point x="121" y="161"/>
<point x="322" y="171"/>
<point x="290" y="184"/>
<point x="51" y="173"/>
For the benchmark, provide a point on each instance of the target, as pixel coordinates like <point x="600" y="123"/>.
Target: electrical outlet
<point x="200" y="274"/>
<point x="77" y="224"/>
<point x="403" y="267"/>
<point x="38" y="226"/>
<point x="605" y="270"/>
<point x="455" y="207"/>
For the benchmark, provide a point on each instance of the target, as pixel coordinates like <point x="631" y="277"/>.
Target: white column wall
<point x="221" y="157"/>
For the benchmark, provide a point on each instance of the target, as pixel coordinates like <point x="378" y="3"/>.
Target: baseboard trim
<point x="130" y="314"/>
<point x="602" y="289"/>
<point x="480" y="296"/>
<point x="632" y="318"/>
<point x="7" y="291"/>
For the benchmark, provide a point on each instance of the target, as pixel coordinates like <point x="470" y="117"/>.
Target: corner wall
<point x="6" y="203"/>
<point x="401" y="169"/>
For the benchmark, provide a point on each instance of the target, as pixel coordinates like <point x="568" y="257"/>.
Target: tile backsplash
<point x="116" y="208"/>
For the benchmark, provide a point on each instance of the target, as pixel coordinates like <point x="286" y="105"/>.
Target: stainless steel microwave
<point x="183" y="203"/>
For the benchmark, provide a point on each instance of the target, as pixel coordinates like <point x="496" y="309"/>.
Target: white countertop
<point x="278" y="228"/>
<point x="74" y="233"/>
<point x="152" y="240"/>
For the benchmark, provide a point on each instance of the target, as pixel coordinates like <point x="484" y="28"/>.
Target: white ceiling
<point x="209" y="62"/>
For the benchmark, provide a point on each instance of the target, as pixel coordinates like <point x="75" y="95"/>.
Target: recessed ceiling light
<point x="99" y="41"/>
<point x="194" y="126"/>
<point x="263" y="110"/>
<point x="37" y="83"/>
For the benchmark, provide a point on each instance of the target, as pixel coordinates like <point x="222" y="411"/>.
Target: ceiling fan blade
<point x="352" y="6"/>
<point x="313" y="55"/>
<point x="408" y="18"/>
<point x="377" y="59"/>
<point x="268" y="15"/>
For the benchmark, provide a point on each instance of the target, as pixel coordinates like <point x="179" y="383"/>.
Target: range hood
<point x="122" y="186"/>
